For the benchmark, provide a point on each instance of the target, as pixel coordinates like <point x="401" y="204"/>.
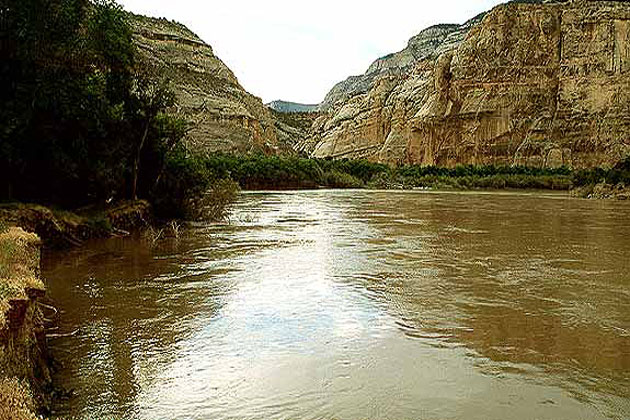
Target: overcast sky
<point x="297" y="50"/>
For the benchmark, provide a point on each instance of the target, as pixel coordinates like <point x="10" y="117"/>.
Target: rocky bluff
<point x="224" y="116"/>
<point x="533" y="84"/>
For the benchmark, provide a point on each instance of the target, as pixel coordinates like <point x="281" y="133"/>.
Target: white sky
<point x="297" y="50"/>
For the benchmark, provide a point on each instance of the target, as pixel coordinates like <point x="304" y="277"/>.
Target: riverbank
<point x="25" y="377"/>
<point x="602" y="191"/>
<point x="63" y="229"/>
<point x="256" y="172"/>
<point x="25" y="366"/>
<point x="602" y="183"/>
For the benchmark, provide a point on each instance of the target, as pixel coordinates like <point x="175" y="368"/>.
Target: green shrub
<point x="83" y="118"/>
<point x="214" y="204"/>
<point x="190" y="187"/>
<point x="184" y="177"/>
<point x="619" y="174"/>
<point x="100" y="224"/>
<point x="336" y="179"/>
<point x="461" y="171"/>
<point x="282" y="172"/>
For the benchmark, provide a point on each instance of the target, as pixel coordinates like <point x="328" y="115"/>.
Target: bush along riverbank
<point x="255" y="172"/>
<point x="84" y="120"/>
<point x="599" y="183"/>
<point x="477" y="177"/>
<point x="259" y="172"/>
<point x="86" y="123"/>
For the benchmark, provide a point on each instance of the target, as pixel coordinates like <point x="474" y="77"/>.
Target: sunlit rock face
<point x="224" y="116"/>
<point x="535" y="84"/>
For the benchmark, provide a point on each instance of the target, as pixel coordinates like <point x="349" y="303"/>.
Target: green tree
<point x="64" y="70"/>
<point x="151" y="95"/>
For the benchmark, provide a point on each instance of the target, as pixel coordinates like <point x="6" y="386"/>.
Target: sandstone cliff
<point x="536" y="84"/>
<point x="225" y="117"/>
<point x="421" y="47"/>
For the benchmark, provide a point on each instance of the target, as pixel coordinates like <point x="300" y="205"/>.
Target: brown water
<point x="356" y="305"/>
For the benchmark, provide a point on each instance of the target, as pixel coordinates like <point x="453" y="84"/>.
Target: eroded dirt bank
<point x="26" y="318"/>
<point x="25" y="377"/>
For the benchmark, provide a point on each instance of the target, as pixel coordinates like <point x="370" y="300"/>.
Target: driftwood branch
<point x="73" y="333"/>
<point x="50" y="307"/>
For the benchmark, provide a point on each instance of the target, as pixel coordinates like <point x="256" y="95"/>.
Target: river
<point x="355" y="305"/>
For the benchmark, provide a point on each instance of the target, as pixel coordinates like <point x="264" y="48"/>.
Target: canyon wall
<point x="533" y="84"/>
<point x="224" y="116"/>
<point x="292" y="128"/>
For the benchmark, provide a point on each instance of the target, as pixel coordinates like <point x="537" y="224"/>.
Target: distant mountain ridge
<point x="286" y="106"/>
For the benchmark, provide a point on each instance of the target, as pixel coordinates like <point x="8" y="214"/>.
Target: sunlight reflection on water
<point x="356" y="304"/>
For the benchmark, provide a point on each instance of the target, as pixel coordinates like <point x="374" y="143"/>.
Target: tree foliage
<point x="619" y="174"/>
<point x="81" y="117"/>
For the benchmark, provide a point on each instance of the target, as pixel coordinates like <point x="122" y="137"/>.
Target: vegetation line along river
<point x="355" y="304"/>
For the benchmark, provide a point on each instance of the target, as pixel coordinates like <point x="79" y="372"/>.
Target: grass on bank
<point x="16" y="400"/>
<point x="19" y="265"/>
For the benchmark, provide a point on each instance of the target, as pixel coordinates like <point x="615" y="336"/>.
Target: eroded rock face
<point x="420" y="47"/>
<point x="535" y="84"/>
<point x="225" y="117"/>
<point x="292" y="128"/>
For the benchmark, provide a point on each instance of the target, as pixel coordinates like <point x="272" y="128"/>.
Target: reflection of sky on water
<point x="354" y="305"/>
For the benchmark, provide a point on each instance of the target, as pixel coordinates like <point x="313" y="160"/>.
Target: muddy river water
<point x="355" y="305"/>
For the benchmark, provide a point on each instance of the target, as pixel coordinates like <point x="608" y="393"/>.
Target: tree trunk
<point x="136" y="162"/>
<point x="169" y="147"/>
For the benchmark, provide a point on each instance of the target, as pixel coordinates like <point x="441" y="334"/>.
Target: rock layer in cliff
<point x="224" y="116"/>
<point x="534" y="84"/>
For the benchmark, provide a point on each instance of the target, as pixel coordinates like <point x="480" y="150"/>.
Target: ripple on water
<point x="352" y="305"/>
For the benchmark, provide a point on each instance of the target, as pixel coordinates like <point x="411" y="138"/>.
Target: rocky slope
<point x="225" y="117"/>
<point x="421" y="47"/>
<point x="536" y="84"/>
<point x="293" y="128"/>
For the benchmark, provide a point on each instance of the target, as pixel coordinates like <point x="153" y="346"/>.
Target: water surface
<point x="356" y="305"/>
